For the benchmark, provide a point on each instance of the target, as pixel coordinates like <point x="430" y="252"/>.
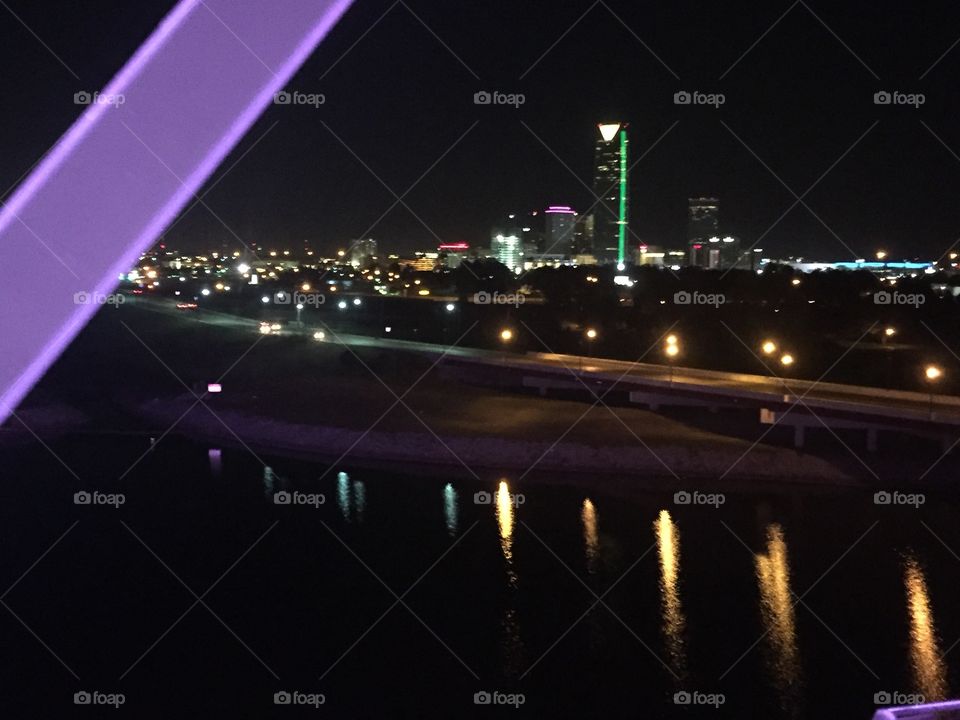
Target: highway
<point x="695" y="386"/>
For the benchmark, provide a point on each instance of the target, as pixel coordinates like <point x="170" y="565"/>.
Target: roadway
<point x="695" y="386"/>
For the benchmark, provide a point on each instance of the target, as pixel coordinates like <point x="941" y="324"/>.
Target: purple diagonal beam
<point x="123" y="171"/>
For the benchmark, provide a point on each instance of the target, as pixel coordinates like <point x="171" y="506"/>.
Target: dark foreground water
<point x="200" y="596"/>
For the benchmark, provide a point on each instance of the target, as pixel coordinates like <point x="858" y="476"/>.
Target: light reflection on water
<point x="926" y="661"/>
<point x="359" y="500"/>
<point x="776" y="604"/>
<point x="779" y="619"/>
<point x="505" y="522"/>
<point x="674" y="622"/>
<point x="450" y="509"/>
<point x="216" y="461"/>
<point x="343" y="494"/>
<point x="269" y="481"/>
<point x="588" y="515"/>
<point x="511" y="643"/>
<point x="351" y="498"/>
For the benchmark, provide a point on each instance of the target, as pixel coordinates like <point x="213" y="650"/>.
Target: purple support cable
<point x="132" y="160"/>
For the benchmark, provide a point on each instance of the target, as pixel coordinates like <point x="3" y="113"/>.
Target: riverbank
<point x="435" y="447"/>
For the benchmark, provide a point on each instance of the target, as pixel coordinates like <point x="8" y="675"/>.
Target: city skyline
<point x="327" y="173"/>
<point x="398" y="358"/>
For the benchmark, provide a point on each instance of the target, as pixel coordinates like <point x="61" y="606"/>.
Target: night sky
<point x="399" y="99"/>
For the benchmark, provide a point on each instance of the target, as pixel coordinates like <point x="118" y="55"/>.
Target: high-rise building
<point x="702" y="225"/>
<point x="718" y="253"/>
<point x="452" y="254"/>
<point x="561" y="221"/>
<point x="610" y="216"/>
<point x="507" y="247"/>
<point x="362" y="251"/>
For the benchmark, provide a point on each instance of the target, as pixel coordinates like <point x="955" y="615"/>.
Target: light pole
<point x="933" y="374"/>
<point x="671" y="349"/>
<point x="299" y="310"/>
<point x="786" y="360"/>
<point x="590" y="335"/>
<point x="506" y="337"/>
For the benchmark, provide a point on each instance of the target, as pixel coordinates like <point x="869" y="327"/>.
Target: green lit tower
<point x="609" y="242"/>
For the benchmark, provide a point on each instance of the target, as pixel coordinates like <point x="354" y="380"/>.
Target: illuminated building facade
<point x="560" y="222"/>
<point x="610" y="216"/>
<point x="452" y="254"/>
<point x="362" y="252"/>
<point x="507" y="247"/>
<point x="702" y="227"/>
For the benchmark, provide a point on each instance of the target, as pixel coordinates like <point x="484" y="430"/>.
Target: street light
<point x="933" y="373"/>
<point x="769" y="347"/>
<point x="506" y="336"/>
<point x="786" y="360"/>
<point x="590" y="335"/>
<point x="671" y="350"/>
<point x="299" y="310"/>
<point x="881" y="254"/>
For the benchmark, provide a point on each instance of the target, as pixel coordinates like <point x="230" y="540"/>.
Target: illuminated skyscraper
<point x="561" y="220"/>
<point x="507" y="247"/>
<point x="362" y="251"/>
<point x="702" y="224"/>
<point x="610" y="186"/>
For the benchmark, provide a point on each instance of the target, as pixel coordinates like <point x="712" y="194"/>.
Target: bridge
<point x="802" y="405"/>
